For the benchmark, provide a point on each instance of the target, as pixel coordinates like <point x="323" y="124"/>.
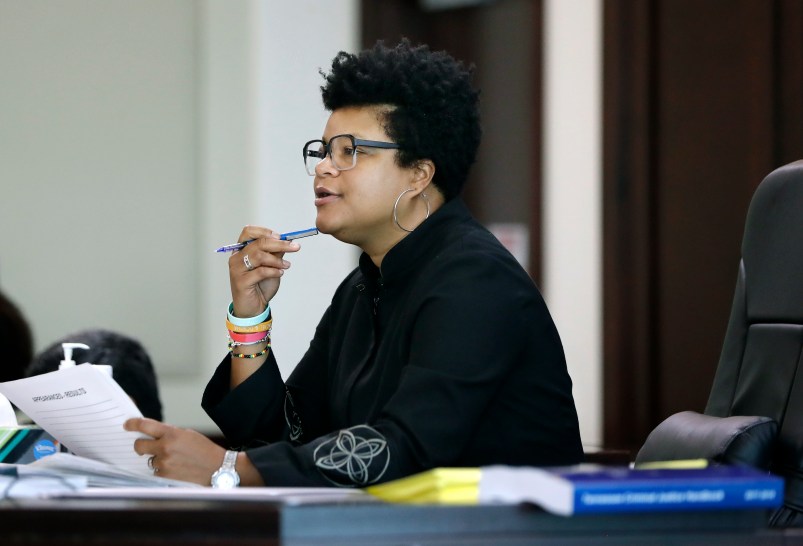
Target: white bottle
<point x="68" y="362"/>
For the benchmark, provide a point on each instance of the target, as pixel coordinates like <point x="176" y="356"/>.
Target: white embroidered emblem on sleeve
<point x="358" y="455"/>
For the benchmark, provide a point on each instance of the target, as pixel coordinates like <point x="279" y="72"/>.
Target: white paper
<point x="84" y="409"/>
<point x="7" y="416"/>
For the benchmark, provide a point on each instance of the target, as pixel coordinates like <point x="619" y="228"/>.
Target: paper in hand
<point x="84" y="409"/>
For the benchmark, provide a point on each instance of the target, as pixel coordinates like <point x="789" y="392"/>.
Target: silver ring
<point x="150" y="462"/>
<point x="247" y="263"/>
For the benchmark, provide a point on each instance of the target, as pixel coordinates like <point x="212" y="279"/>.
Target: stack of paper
<point x="98" y="473"/>
<point x="439" y="485"/>
<point x="294" y="496"/>
<point x="19" y="485"/>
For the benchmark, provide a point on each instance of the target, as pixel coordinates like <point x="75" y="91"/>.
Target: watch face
<point x="225" y="479"/>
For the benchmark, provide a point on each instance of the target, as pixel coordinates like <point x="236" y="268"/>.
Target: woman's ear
<point x="423" y="173"/>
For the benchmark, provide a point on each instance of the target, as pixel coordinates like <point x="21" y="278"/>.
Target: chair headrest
<point x="772" y="248"/>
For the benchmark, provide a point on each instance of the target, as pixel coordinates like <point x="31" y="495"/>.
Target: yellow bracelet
<point x="261" y="327"/>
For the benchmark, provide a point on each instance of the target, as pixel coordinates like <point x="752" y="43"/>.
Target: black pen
<point x="289" y="236"/>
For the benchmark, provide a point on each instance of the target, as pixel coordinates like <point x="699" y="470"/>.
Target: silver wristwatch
<point x="226" y="476"/>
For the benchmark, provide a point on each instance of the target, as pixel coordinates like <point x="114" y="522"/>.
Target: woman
<point x="438" y="350"/>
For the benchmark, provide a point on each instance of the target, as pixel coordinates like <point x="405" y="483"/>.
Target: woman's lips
<point x="324" y="196"/>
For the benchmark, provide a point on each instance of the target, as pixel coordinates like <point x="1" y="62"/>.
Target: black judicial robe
<point x="446" y="356"/>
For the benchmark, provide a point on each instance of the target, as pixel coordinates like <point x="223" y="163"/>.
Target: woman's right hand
<point x="252" y="289"/>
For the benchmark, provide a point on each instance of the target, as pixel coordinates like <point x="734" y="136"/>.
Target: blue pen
<point x="289" y="236"/>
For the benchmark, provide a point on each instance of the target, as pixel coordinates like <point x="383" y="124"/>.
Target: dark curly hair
<point x="434" y="110"/>
<point x="17" y="339"/>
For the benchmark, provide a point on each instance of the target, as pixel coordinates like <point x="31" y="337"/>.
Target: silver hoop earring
<point x="396" y="209"/>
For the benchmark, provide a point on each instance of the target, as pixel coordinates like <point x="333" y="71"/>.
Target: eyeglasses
<point x="341" y="149"/>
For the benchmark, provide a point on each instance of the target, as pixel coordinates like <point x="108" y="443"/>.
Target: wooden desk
<point x="201" y="522"/>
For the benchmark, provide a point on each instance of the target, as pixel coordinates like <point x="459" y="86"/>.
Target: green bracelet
<point x="251" y="321"/>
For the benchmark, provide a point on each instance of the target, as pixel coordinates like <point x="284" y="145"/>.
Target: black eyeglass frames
<point x="341" y="149"/>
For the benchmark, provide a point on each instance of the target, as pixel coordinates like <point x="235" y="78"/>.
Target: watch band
<point x="226" y="476"/>
<point x="229" y="460"/>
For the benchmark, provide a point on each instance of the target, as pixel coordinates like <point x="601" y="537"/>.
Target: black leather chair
<point x="754" y="413"/>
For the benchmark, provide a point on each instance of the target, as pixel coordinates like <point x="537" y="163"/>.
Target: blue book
<point x="597" y="489"/>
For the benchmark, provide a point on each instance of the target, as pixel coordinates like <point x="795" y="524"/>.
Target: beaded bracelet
<point x="261" y="327"/>
<point x="255" y="355"/>
<point x="250" y="321"/>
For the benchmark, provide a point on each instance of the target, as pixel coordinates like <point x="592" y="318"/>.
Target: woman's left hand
<point x="178" y="454"/>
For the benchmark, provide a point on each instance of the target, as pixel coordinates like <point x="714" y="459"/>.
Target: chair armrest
<point x="746" y="440"/>
<point x="608" y="456"/>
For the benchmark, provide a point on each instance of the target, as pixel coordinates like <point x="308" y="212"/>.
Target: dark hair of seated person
<point x="16" y="339"/>
<point x="131" y="365"/>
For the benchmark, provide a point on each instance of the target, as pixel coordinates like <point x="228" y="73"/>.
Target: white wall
<point x="290" y="113"/>
<point x="261" y="102"/>
<point x="136" y="137"/>
<point x="98" y="165"/>
<point x="572" y="200"/>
